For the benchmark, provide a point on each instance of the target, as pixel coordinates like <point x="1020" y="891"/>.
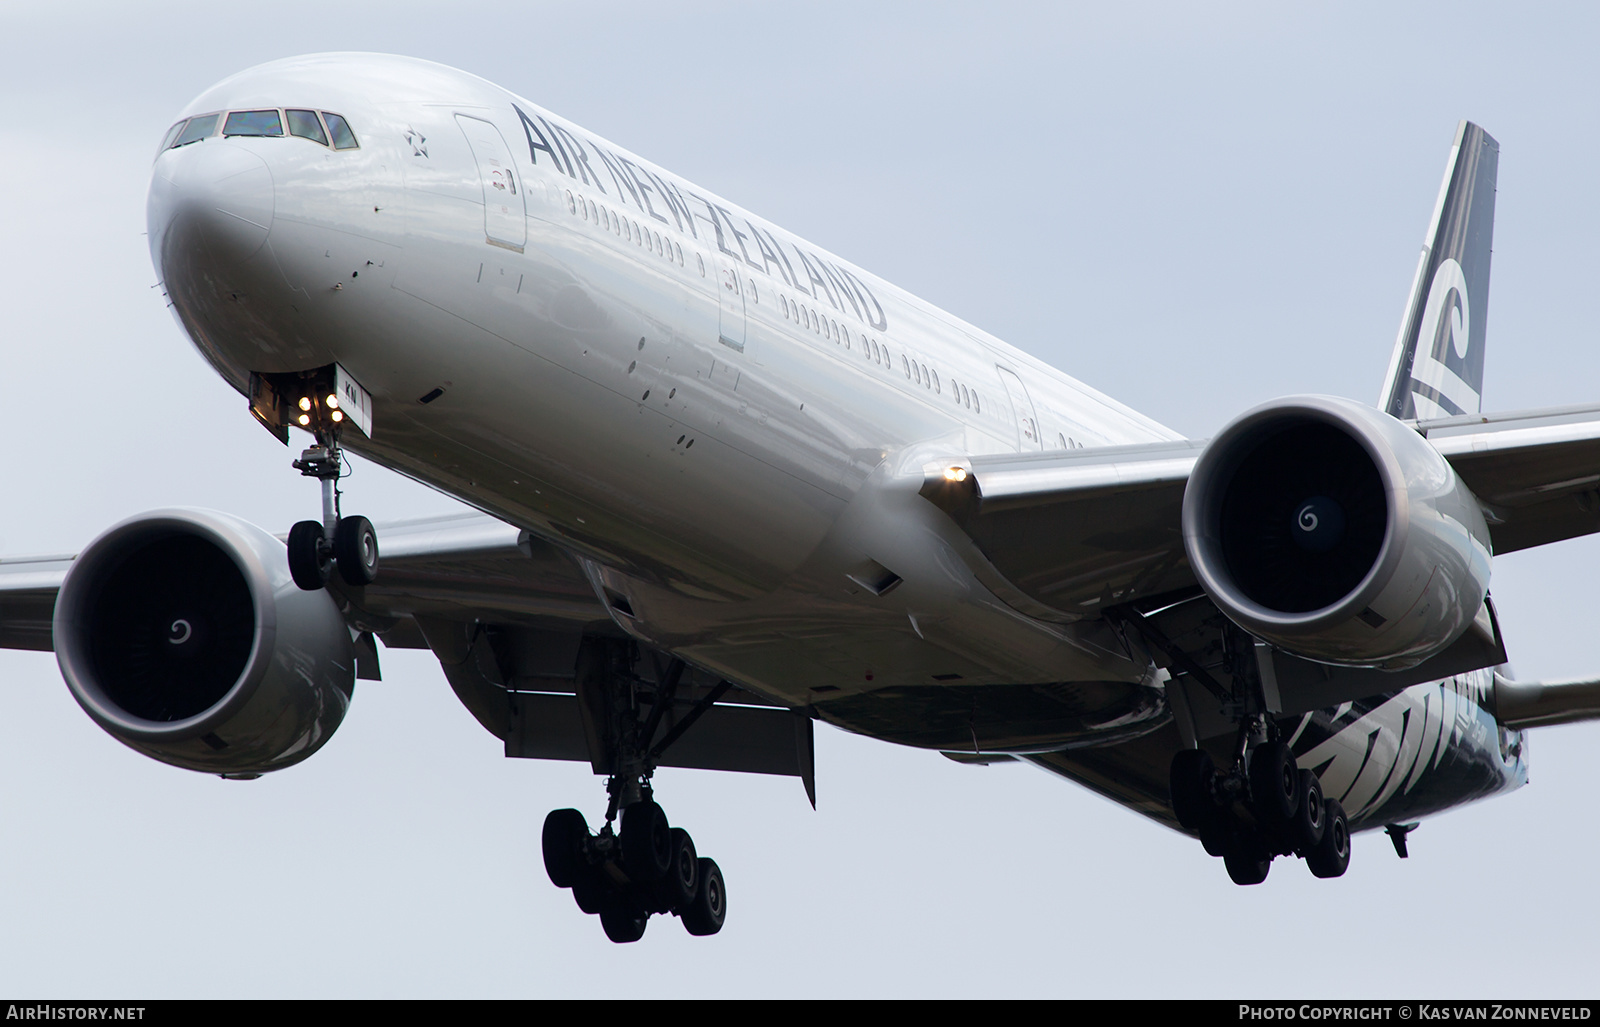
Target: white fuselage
<point x="688" y="397"/>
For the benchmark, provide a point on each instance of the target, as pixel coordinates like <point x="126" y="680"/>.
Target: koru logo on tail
<point x="1436" y="390"/>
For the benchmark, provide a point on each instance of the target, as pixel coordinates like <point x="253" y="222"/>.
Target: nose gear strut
<point x="348" y="543"/>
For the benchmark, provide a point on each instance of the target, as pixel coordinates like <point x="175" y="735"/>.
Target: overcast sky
<point x="1194" y="208"/>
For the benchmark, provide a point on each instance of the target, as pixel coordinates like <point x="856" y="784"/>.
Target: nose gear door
<point x="504" y="212"/>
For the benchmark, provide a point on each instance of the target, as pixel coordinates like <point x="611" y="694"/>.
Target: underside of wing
<point x="1078" y="529"/>
<point x="28" y="587"/>
<point x="1537" y="473"/>
<point x="468" y="568"/>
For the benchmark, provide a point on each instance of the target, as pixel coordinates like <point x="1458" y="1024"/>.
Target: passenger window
<point x="198" y="129"/>
<point x="755" y="297"/>
<point x="702" y="262"/>
<point x="253" y="123"/>
<point x="783" y="305"/>
<point x="307" y="125"/>
<point x="977" y="407"/>
<point x="966" y="397"/>
<point x="593" y="214"/>
<point x="679" y="251"/>
<point x="905" y="366"/>
<point x="936" y="382"/>
<point x="805" y="316"/>
<point x="572" y="205"/>
<point x="343" y="138"/>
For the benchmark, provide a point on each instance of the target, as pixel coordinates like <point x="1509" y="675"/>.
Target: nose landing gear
<point x="346" y="543"/>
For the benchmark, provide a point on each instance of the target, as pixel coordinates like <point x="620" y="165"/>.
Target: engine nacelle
<point x="182" y="634"/>
<point x="1336" y="532"/>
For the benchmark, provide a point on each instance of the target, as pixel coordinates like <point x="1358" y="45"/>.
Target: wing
<point x="28" y="587"/>
<point x="1078" y="530"/>
<point x="466" y="567"/>
<point x="1536" y="472"/>
<point x="1075" y="529"/>
<point x="514" y="622"/>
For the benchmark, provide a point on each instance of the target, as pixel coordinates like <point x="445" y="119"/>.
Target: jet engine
<point x="1336" y="532"/>
<point x="182" y="634"/>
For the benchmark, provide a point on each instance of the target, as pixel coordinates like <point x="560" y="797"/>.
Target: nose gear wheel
<point x="347" y="543"/>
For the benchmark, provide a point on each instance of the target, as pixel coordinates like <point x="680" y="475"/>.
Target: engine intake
<point x="182" y="634"/>
<point x="1337" y="532"/>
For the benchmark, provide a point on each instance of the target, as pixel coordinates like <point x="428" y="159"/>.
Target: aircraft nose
<point x="211" y="193"/>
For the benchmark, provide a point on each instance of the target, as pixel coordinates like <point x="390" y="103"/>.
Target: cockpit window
<point x="253" y="123"/>
<point x="306" y="125"/>
<point x="172" y="134"/>
<point x="197" y="129"/>
<point x="343" y="138"/>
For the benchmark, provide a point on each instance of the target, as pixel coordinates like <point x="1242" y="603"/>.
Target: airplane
<point x="731" y="484"/>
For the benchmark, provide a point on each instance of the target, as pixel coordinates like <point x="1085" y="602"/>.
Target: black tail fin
<point x="1437" y="367"/>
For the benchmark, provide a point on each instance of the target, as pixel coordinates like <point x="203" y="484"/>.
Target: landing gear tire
<point x="677" y="889"/>
<point x="1215" y="838"/>
<point x="592" y="892"/>
<point x="1275" y="784"/>
<point x="562" y="840"/>
<point x="1190" y="780"/>
<point x="1331" y="856"/>
<point x="709" y="908"/>
<point x="1310" y="819"/>
<point x="622" y="922"/>
<point x="1247" y="864"/>
<point x="646" y="843"/>
<point x="355" y="550"/>
<point x="309" y="564"/>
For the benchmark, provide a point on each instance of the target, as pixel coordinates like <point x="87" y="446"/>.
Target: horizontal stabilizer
<point x="1524" y="704"/>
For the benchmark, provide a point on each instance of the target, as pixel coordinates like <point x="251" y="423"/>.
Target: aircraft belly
<point x="1388" y="759"/>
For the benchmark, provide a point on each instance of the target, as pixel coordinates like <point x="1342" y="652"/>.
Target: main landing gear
<point x="647" y="866"/>
<point x="624" y="876"/>
<point x="1260" y="807"/>
<point x="348" y="543"/>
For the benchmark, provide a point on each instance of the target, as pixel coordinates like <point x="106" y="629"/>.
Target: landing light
<point x="304" y="419"/>
<point x="338" y="415"/>
<point x="955" y="474"/>
<point x="333" y="402"/>
<point x="305" y="404"/>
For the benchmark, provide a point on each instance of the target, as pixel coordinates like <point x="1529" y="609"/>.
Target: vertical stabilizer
<point x="1437" y="367"/>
